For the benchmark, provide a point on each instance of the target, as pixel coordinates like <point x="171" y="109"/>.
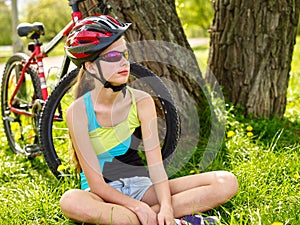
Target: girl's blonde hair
<point x="85" y="83"/>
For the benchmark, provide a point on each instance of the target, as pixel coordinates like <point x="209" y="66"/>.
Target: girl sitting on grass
<point x="115" y="186"/>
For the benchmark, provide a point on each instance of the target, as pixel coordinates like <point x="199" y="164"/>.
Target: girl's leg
<point x="82" y="206"/>
<point x="197" y="193"/>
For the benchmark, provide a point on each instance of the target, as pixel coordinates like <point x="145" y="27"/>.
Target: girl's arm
<point x="78" y="127"/>
<point x="148" y="118"/>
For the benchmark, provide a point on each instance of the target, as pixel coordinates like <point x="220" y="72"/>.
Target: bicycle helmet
<point x="92" y="35"/>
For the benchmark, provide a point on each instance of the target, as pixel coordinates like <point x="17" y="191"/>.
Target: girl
<point x="115" y="186"/>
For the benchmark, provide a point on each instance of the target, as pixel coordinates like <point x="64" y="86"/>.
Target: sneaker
<point x="199" y="220"/>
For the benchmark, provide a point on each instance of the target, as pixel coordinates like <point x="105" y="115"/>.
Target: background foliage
<point x="5" y="25"/>
<point x="54" y="14"/>
<point x="196" y="16"/>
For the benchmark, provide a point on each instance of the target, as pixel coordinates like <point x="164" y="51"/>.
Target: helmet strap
<point x="107" y="84"/>
<point x="116" y="88"/>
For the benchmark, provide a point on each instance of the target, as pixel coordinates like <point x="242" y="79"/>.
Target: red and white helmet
<point x="92" y="35"/>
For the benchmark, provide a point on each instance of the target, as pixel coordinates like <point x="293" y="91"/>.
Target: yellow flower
<point x="194" y="172"/>
<point x="277" y="223"/>
<point x="61" y="168"/>
<point x="43" y="220"/>
<point x="249" y="134"/>
<point x="249" y="128"/>
<point x="230" y="133"/>
<point x="296" y="176"/>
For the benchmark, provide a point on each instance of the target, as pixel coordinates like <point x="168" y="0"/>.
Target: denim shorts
<point x="134" y="187"/>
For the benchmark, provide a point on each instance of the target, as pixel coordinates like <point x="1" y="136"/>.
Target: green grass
<point x="263" y="154"/>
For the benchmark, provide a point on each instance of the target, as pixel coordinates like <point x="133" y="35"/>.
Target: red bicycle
<point x="34" y="120"/>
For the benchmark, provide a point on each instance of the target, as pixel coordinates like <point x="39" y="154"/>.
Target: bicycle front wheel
<point x="18" y="114"/>
<point x="54" y="133"/>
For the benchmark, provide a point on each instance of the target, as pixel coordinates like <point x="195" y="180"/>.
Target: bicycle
<point x="34" y="120"/>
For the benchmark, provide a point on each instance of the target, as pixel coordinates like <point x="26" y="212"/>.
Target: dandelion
<point x="194" y="171"/>
<point x="61" y="168"/>
<point x="249" y="128"/>
<point x="3" y="141"/>
<point x="296" y="176"/>
<point x="230" y="133"/>
<point x="277" y="223"/>
<point x="249" y="134"/>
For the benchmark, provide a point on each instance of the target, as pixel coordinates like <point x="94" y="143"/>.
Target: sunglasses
<point x="114" y="56"/>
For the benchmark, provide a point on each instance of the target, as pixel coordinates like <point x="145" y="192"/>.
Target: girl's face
<point x="114" y="62"/>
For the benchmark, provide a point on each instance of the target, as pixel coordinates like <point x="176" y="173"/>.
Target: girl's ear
<point x="89" y="66"/>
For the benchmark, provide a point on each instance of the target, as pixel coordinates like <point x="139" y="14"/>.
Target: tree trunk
<point x="251" y="52"/>
<point x="17" y="43"/>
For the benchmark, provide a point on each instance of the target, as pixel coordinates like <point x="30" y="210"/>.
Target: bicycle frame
<point x="37" y="56"/>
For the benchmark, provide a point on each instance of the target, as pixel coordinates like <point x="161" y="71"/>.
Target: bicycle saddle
<point x="33" y="31"/>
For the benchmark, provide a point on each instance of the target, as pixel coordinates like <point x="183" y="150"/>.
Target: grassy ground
<point x="263" y="154"/>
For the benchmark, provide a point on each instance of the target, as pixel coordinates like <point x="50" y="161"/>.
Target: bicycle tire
<point x="21" y="130"/>
<point x="49" y="134"/>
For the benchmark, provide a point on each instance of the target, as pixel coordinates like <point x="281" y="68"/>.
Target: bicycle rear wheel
<point x="54" y="134"/>
<point x="20" y="118"/>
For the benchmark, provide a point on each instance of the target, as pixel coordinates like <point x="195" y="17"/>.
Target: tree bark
<point x="251" y="52"/>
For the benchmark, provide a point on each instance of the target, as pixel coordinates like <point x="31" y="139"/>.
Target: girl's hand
<point x="145" y="214"/>
<point x="166" y="216"/>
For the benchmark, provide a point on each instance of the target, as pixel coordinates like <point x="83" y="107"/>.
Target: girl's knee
<point x="227" y="182"/>
<point x="73" y="206"/>
<point x="68" y="199"/>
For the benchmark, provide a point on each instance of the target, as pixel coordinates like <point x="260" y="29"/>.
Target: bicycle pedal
<point x="32" y="150"/>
